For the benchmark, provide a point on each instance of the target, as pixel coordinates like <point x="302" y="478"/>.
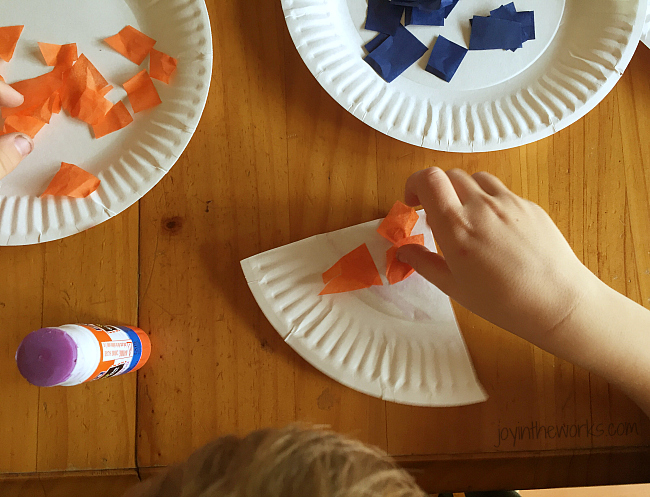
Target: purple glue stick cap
<point x="46" y="357"/>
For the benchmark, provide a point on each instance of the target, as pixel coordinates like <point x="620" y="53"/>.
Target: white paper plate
<point x="497" y="99"/>
<point x="398" y="342"/>
<point x="128" y="162"/>
<point x="645" y="36"/>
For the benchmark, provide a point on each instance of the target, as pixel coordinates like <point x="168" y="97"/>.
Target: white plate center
<point x="480" y="68"/>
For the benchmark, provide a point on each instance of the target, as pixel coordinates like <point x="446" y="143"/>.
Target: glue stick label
<point x="122" y="349"/>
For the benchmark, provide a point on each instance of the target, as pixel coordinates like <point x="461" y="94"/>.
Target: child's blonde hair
<point x="288" y="462"/>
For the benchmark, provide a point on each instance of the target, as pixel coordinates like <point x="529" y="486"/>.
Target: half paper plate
<point x="497" y="99"/>
<point x="399" y="342"/>
<point x="128" y="162"/>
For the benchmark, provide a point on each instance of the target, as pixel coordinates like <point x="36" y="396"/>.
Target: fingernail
<point x="398" y="256"/>
<point x="24" y="145"/>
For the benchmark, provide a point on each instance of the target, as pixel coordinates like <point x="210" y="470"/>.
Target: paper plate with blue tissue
<point x="466" y="75"/>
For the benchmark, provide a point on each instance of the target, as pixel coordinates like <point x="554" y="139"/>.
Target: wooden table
<point x="274" y="160"/>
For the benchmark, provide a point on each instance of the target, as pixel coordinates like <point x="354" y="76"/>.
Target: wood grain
<point x="640" y="490"/>
<point x="21" y="298"/>
<point x="333" y="184"/>
<point x="218" y="366"/>
<point x="70" y="484"/>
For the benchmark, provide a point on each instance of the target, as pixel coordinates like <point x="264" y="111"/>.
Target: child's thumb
<point x="13" y="148"/>
<point x="431" y="265"/>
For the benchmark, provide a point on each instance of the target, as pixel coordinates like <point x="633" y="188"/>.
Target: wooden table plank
<point x="21" y="300"/>
<point x="634" y="96"/>
<point x="527" y="470"/>
<point x="90" y="277"/>
<point x="218" y="366"/>
<point x="97" y="484"/>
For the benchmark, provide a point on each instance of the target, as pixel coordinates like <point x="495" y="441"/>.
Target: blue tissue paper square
<point x="383" y="16"/>
<point x="491" y="33"/>
<point x="418" y="17"/>
<point x="375" y="42"/>
<point x="427" y="5"/>
<point x="396" y="54"/>
<point x="525" y="18"/>
<point x="506" y="11"/>
<point x="445" y="58"/>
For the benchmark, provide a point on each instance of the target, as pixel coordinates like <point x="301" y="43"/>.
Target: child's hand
<point x="14" y="147"/>
<point x="505" y="260"/>
<point x="503" y="257"/>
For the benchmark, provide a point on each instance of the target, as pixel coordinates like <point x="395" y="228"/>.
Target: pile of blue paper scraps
<point x="395" y="48"/>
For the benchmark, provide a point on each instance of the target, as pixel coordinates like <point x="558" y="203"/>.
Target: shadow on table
<point x="239" y="297"/>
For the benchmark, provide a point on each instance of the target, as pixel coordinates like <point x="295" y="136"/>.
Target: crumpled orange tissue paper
<point x="72" y="181"/>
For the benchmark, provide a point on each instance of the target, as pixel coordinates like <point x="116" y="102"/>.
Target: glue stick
<point x="75" y="353"/>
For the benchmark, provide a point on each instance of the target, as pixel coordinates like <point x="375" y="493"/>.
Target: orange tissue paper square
<point x="142" y="92"/>
<point x="9" y="36"/>
<point x="59" y="55"/>
<point x="116" y="118"/>
<point x="354" y="271"/>
<point x="72" y="181"/>
<point x="131" y="43"/>
<point x="161" y="66"/>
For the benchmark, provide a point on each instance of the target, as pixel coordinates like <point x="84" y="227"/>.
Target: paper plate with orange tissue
<point x="343" y="302"/>
<point x="113" y="95"/>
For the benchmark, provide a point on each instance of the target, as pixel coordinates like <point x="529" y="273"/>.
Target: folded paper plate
<point x="497" y="99"/>
<point x="128" y="162"/>
<point x="398" y="342"/>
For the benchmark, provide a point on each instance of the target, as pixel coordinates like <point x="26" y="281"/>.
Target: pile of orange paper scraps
<point x="356" y="270"/>
<point x="76" y="86"/>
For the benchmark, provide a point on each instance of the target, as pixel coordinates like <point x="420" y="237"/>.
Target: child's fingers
<point x="432" y="189"/>
<point x="490" y="184"/>
<point x="431" y="265"/>
<point x="13" y="148"/>
<point x="9" y="97"/>
<point x="466" y="187"/>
